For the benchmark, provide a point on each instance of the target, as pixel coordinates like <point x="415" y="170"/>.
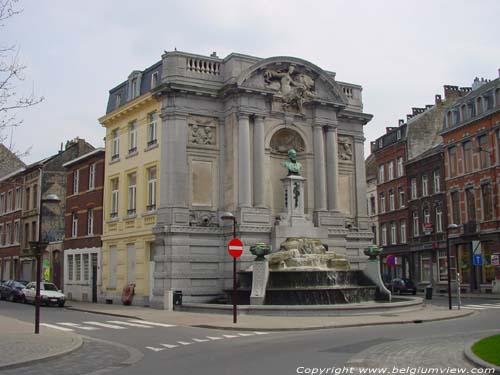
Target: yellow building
<point x="131" y="186"/>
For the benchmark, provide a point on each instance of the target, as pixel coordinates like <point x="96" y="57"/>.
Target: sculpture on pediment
<point x="285" y="139"/>
<point x="345" y="148"/>
<point x="295" y="88"/>
<point x="202" y="133"/>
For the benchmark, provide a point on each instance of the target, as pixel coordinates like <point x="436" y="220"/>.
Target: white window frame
<point x="381" y="173"/>
<point x="132" y="137"/>
<point x="393" y="233"/>
<point x="416" y="223"/>
<point x="392" y="204"/>
<point x="402" y="231"/>
<point x="390" y="170"/>
<point x="2" y="235"/>
<point x="71" y="272"/>
<point x="154" y="79"/>
<point x="151" y="189"/>
<point x="76" y="181"/>
<point x="115" y="145"/>
<point x="17" y="231"/>
<point x="19" y="198"/>
<point x="426" y="214"/>
<point x="401" y="196"/>
<point x="92" y="170"/>
<point x="437" y="182"/>
<point x="74" y="225"/>
<point x="382" y="203"/>
<point x="8" y="234"/>
<point x="78" y="267"/>
<point x="400" y="166"/>
<point x="425" y="186"/>
<point x="2" y="203"/>
<point x="384" y="235"/>
<point x="132" y="194"/>
<point x="90" y="222"/>
<point x="439" y="220"/>
<point x="152" y="127"/>
<point x="114" y="197"/>
<point x="9" y="201"/>
<point x="413" y="188"/>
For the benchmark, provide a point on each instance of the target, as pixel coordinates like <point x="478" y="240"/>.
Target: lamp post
<point x="230" y="216"/>
<point x="38" y="248"/>
<point x="448" y="260"/>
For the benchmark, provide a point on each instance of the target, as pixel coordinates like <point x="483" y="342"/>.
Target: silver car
<point x="49" y="294"/>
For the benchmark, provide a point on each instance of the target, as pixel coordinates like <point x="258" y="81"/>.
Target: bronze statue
<point x="292" y="165"/>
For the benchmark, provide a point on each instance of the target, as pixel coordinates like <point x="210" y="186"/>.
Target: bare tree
<point x="11" y="74"/>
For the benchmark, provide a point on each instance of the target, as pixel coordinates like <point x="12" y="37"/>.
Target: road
<point x="122" y="346"/>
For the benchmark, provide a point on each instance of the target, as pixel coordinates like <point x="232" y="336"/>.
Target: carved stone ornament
<point x="202" y="132"/>
<point x="345" y="148"/>
<point x="202" y="219"/>
<point x="286" y="139"/>
<point x="294" y="88"/>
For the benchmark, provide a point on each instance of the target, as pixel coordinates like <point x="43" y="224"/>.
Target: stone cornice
<point x="126" y="109"/>
<point x="351" y="115"/>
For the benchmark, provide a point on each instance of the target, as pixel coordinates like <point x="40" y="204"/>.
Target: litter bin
<point x="178" y="297"/>
<point x="428" y="292"/>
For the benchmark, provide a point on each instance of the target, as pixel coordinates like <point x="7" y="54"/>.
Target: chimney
<point x="401" y="122"/>
<point x="408" y="117"/>
<point x="451" y="92"/>
<point x="437" y="99"/>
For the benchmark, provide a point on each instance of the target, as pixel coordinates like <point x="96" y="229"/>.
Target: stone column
<point x="244" y="172"/>
<point x="332" y="169"/>
<point x="319" y="169"/>
<point x="359" y="160"/>
<point x="259" y="184"/>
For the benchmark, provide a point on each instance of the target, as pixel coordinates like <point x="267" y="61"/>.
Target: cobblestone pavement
<point x="94" y="357"/>
<point x="431" y="352"/>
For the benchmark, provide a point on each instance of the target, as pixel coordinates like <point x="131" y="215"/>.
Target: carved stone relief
<point x="345" y="148"/>
<point x="202" y="219"/>
<point x="285" y="139"/>
<point x="202" y="131"/>
<point x="294" y="88"/>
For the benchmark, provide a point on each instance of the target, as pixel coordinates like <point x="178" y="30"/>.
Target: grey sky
<point x="401" y="52"/>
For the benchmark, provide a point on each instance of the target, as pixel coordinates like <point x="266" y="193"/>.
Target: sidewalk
<point x="19" y="345"/>
<point x="268" y="323"/>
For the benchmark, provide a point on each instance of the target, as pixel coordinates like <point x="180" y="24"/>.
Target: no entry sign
<point x="391" y="260"/>
<point x="235" y="247"/>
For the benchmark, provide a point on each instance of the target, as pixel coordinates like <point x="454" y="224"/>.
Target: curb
<point x="77" y="345"/>
<point x="103" y="313"/>
<point x="475" y="360"/>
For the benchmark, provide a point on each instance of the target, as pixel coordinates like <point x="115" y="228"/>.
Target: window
<point x="390" y="170"/>
<point x="373" y="206"/>
<point x="133" y="88"/>
<point x="76" y="181"/>
<point x="118" y="100"/>
<point x="467" y="147"/>
<point x="85" y="261"/>
<point x="448" y="119"/>
<point x="425" y="186"/>
<point x="8" y="233"/>
<point x="132" y="189"/>
<point x="90" y="221"/>
<point x="484" y="151"/>
<point x="427" y="216"/>
<point x="70" y="267"/>
<point x="437" y="185"/>
<point x="2" y="236"/>
<point x="151" y="199"/>
<point x="35" y="196"/>
<point x="154" y="79"/>
<point x="152" y="129"/>
<point x="114" y="197"/>
<point x="439" y="220"/>
<point x="486" y="195"/>
<point x="19" y="198"/>
<point x="479" y="105"/>
<point x="74" y="225"/>
<point x="380" y="143"/>
<point x="401" y="196"/>
<point x="463" y="112"/>
<point x="382" y="203"/>
<point x="471" y="204"/>
<point x="381" y="174"/>
<point x="9" y="201"/>
<point x="26" y="238"/>
<point x="455" y="207"/>
<point x="400" y="166"/>
<point x="78" y="265"/>
<point x="384" y="235"/>
<point x="2" y="203"/>
<point x="398" y="134"/>
<point x="115" y="149"/>
<point x="132" y="137"/>
<point x="17" y="231"/>
<point x="92" y="176"/>
<point x="413" y="185"/>
<point x="28" y="198"/>
<point x="452" y="161"/>
<point x="415" y="224"/>
<point x="393" y="233"/>
<point x="443" y="266"/>
<point x="392" y="206"/>
<point x="402" y="231"/>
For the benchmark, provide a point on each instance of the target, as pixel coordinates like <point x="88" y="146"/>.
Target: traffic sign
<point x="477" y="260"/>
<point x="235" y="247"/>
<point x="495" y="260"/>
<point x="391" y="260"/>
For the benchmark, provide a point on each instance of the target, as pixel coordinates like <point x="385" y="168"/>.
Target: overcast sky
<point x="401" y="52"/>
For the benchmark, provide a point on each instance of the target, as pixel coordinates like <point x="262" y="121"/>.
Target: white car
<point x="49" y="294"/>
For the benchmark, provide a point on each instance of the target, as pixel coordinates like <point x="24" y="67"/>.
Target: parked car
<point x="49" y="294"/>
<point x="402" y="285"/>
<point x="12" y="290"/>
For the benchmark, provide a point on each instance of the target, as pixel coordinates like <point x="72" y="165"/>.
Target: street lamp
<point x="230" y="216"/>
<point x="38" y="248"/>
<point x="448" y="260"/>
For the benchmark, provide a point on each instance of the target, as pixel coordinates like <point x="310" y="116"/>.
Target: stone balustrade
<point x="202" y="66"/>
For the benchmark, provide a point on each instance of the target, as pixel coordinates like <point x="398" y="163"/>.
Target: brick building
<point x="471" y="138"/>
<point x="83" y="225"/>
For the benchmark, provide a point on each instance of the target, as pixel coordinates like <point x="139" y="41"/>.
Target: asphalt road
<point x="185" y="350"/>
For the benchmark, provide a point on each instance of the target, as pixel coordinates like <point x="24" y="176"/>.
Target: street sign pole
<point x="235" y="248"/>
<point x="235" y="306"/>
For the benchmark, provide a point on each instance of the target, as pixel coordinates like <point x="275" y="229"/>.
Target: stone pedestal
<point x="260" y="275"/>
<point x="372" y="271"/>
<point x="294" y="200"/>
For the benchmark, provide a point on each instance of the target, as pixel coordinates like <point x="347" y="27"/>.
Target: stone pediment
<point x="294" y="81"/>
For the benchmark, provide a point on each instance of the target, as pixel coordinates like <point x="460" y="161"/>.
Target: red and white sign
<point x="495" y="260"/>
<point x="428" y="227"/>
<point x="391" y="260"/>
<point x="235" y="247"/>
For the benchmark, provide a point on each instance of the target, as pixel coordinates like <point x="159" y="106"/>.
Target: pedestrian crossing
<point x="482" y="306"/>
<point x="205" y="339"/>
<point x="109" y="324"/>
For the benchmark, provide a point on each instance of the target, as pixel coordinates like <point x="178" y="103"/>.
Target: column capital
<point x="331" y="128"/>
<point x="258" y="116"/>
<point x="243" y="116"/>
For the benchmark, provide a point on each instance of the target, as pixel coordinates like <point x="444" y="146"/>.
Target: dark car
<point x="12" y="290"/>
<point x="402" y="285"/>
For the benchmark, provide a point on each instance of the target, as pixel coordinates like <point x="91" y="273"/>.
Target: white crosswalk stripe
<point x="111" y="324"/>
<point x="214" y="338"/>
<point x="200" y="340"/>
<point x="184" y="343"/>
<point x="151" y="323"/>
<point x="99" y="324"/>
<point x="154" y="349"/>
<point x="57" y="327"/>
<point x="168" y="346"/>
<point x="482" y="306"/>
<point x="128" y="324"/>
<point x="246" y="334"/>
<point x="76" y="325"/>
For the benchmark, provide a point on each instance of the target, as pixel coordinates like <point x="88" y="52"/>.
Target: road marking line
<point x="128" y="324"/>
<point x="214" y="338"/>
<point x="56" y="327"/>
<point x="99" y="324"/>
<point x="261" y="333"/>
<point x="473" y="308"/>
<point x="184" y="343"/>
<point x="483" y="306"/>
<point x="200" y="340"/>
<point x="229" y="336"/>
<point x="154" y="349"/>
<point x="151" y="323"/>
<point x="169" y="346"/>
<point x="79" y="326"/>
<point x="246" y="334"/>
<point x="490" y="304"/>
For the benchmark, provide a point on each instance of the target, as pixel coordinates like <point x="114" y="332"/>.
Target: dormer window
<point x="154" y="80"/>
<point x="133" y="88"/>
<point x="479" y="105"/>
<point x="118" y="100"/>
<point x="448" y="119"/>
<point x="497" y="97"/>
<point x="463" y="112"/>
